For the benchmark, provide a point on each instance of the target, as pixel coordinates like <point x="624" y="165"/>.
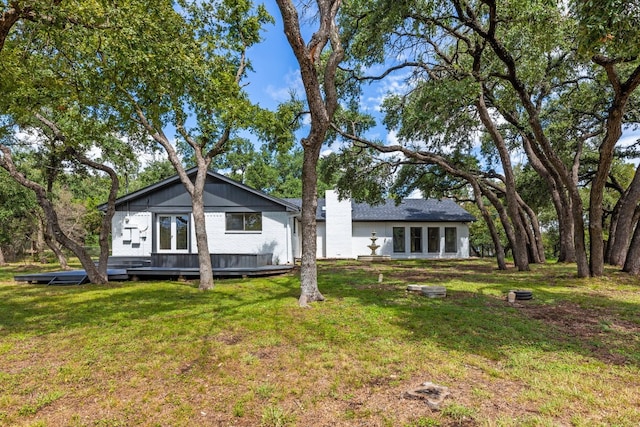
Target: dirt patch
<point x="228" y="338"/>
<point x="584" y="325"/>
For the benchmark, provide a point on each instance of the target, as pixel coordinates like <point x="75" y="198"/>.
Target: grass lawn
<point x="244" y="354"/>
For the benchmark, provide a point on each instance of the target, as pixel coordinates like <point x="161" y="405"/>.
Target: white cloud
<point x="326" y="152"/>
<point x="392" y="138"/>
<point x="377" y="91"/>
<point x="293" y="84"/>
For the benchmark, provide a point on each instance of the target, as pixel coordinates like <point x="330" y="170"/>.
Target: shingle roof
<point x="432" y="210"/>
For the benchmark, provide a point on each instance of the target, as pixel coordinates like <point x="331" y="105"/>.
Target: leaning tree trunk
<point x="530" y="220"/>
<point x="57" y="251"/>
<point x="598" y="183"/>
<point x="495" y="237"/>
<point x="632" y="263"/>
<point x="53" y="245"/>
<point x="561" y="202"/>
<point x="51" y="217"/>
<point x="105" y="224"/>
<point x="519" y="245"/>
<point x="622" y="92"/>
<point x="620" y="236"/>
<point x="504" y="218"/>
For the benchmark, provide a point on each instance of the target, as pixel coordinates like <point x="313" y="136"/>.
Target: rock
<point x="434" y="291"/>
<point x="432" y="394"/>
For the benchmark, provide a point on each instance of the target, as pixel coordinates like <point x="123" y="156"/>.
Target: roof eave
<point x="289" y="207"/>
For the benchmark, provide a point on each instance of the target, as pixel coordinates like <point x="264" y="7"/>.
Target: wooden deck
<point x="70" y="277"/>
<point x="123" y="268"/>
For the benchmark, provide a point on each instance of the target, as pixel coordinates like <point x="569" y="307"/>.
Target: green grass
<point x="165" y="353"/>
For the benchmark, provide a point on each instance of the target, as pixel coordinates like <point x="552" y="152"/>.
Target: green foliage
<point x="18" y="216"/>
<point x="438" y="113"/>
<point x="479" y="236"/>
<point x="154" y="172"/>
<point x="610" y="27"/>
<point x="359" y="174"/>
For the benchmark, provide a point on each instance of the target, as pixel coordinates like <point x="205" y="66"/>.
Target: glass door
<point x="173" y="233"/>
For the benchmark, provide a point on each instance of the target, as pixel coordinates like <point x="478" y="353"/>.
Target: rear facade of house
<point x="156" y="223"/>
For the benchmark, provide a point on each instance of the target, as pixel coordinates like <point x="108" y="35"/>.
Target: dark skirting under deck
<point x="71" y="277"/>
<point x="166" y="266"/>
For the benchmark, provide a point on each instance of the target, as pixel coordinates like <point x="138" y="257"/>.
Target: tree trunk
<point x="202" y="241"/>
<point x="95" y="276"/>
<point x="309" y="270"/>
<point x="53" y="245"/>
<point x="318" y="61"/>
<point x="2" y="260"/>
<point x="519" y="245"/>
<point x="622" y="227"/>
<point x="622" y="92"/>
<point x="632" y="263"/>
<point x="530" y="220"/>
<point x="561" y="202"/>
<point x="504" y="217"/>
<point x="578" y="233"/>
<point x="596" y="199"/>
<point x="57" y="251"/>
<point x="39" y="243"/>
<point x="566" y="232"/>
<point x="495" y="237"/>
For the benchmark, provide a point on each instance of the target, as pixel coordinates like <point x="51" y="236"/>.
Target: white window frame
<point x="453" y="242"/>
<point x="174" y="234"/>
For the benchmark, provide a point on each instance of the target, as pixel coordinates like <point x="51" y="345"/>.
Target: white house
<point x="156" y="222"/>
<point x="415" y="228"/>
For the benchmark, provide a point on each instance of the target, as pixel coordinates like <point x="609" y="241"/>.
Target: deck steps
<point x="68" y="280"/>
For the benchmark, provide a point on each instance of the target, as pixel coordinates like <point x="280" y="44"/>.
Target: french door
<point x="173" y="233"/>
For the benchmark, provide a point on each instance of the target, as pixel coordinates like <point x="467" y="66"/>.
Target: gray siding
<point x="219" y="197"/>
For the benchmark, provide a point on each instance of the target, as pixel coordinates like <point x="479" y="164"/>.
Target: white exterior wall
<point x="384" y="231"/>
<point x="321" y="250"/>
<point x="131" y="234"/>
<point x="134" y="237"/>
<point x="275" y="237"/>
<point x="338" y="226"/>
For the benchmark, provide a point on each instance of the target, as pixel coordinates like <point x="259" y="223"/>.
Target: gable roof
<point x="174" y="180"/>
<point x="419" y="210"/>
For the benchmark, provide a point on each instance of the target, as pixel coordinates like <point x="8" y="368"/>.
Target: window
<point x="244" y="222"/>
<point x="173" y="233"/>
<point x="450" y="239"/>
<point x="433" y="237"/>
<point x="398" y="239"/>
<point x="416" y="239"/>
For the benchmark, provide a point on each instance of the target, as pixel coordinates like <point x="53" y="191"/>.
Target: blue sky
<point x="275" y="74"/>
<point x="275" y="69"/>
